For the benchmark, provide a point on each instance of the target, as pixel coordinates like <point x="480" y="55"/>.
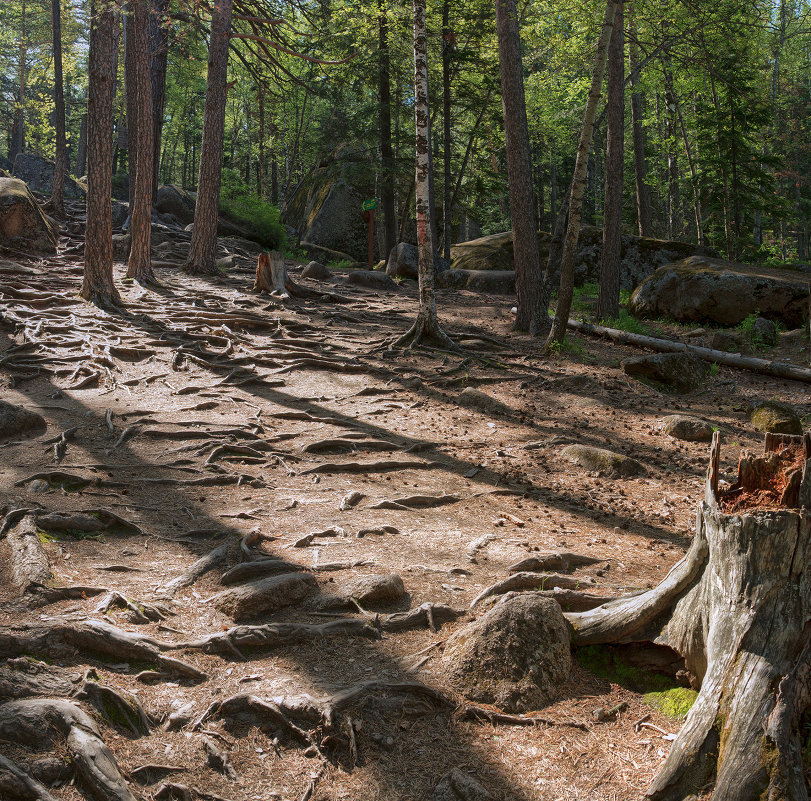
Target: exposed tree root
<point x="213" y="559"/>
<point x="553" y="561"/>
<point x="17" y="785"/>
<point x="426" y="332"/>
<point x="138" y="611"/>
<point x="427" y="615"/>
<point x="531" y="581"/>
<point x="416" y="502"/>
<point x="29" y="562"/>
<point x="345" y="445"/>
<point x="370" y="467"/>
<point x="481" y="714"/>
<point x="262" y="567"/>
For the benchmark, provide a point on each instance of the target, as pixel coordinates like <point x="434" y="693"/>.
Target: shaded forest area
<point x="405" y="401"/>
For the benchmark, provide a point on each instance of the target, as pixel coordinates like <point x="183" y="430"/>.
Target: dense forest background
<point x="717" y="111"/>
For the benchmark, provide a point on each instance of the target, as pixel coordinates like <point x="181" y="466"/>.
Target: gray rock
<point x="266" y="595"/>
<point x="456" y="785"/>
<point x="371" y="279"/>
<point x="476" y="399"/>
<point x="776" y="418"/>
<point x="690" y="429"/>
<point x="120" y="213"/>
<point x="668" y="372"/>
<point x="514" y="656"/>
<point x="613" y="465"/>
<point x="728" y="341"/>
<point x="121" y="247"/>
<point x="494" y="282"/>
<point x="176" y="201"/>
<point x="764" y="331"/>
<point x="18" y="420"/>
<point x="403" y="261"/>
<point x="38" y="173"/>
<point x="317" y="271"/>
<point x="701" y="289"/>
<point x="376" y="590"/>
<point x="23" y="226"/>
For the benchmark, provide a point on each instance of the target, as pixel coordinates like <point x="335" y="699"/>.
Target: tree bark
<point x="97" y="286"/>
<point x="18" y="130"/>
<point x="426" y="327"/>
<point x="386" y="154"/>
<point x="643" y="204"/>
<point x="674" y="220"/>
<point x="159" y="52"/>
<point x="140" y="264"/>
<point x="131" y="99"/>
<point x="737" y="608"/>
<point x="533" y="299"/>
<point x="608" y="299"/>
<point x="204" y="235"/>
<point x="57" y="202"/>
<point x="447" y="51"/>
<point x="81" y="147"/>
<point x="558" y="332"/>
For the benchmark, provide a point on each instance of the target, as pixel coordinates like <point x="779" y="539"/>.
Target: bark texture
<point x="204" y="236"/>
<point x="57" y="202"/>
<point x="558" y="332"/>
<point x="737" y="608"/>
<point x="98" y="271"/>
<point x="643" y="206"/>
<point x="608" y="299"/>
<point x="533" y="300"/>
<point x="140" y="264"/>
<point x="159" y="52"/>
<point x="386" y="152"/>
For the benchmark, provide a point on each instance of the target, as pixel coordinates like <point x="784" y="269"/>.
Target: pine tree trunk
<point x="203" y="246"/>
<point x="558" y="332"/>
<point x="447" y="52"/>
<point x="608" y="299"/>
<point x="140" y="264"/>
<point x="131" y="98"/>
<point x="533" y="300"/>
<point x="159" y="53"/>
<point x="57" y="202"/>
<point x="81" y="148"/>
<point x="643" y="204"/>
<point x="97" y="286"/>
<point x="18" y="130"/>
<point x="737" y="608"/>
<point x="386" y="154"/>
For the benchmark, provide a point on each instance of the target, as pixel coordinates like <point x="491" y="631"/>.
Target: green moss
<point x="675" y="703"/>
<point x="612" y="664"/>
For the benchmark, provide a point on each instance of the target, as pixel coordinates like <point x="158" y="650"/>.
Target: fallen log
<point x="794" y="372"/>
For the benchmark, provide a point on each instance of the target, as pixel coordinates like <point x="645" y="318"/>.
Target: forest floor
<point x="155" y="395"/>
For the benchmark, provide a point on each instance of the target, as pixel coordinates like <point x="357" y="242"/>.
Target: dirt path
<point x="210" y="421"/>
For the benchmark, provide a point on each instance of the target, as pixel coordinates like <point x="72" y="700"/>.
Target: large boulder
<point x="371" y="279"/>
<point x="23" y="226"/>
<point x="680" y="373"/>
<point x="701" y="289"/>
<point x="774" y="417"/>
<point x="176" y="201"/>
<point x="325" y="209"/>
<point x="640" y="256"/>
<point x="403" y="261"/>
<point x="613" y="465"/>
<point x="514" y="656"/>
<point x="493" y="282"/>
<point x="38" y="173"/>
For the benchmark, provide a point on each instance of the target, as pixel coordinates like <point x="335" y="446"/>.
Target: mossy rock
<point x="679" y="373"/>
<point x="773" y="417"/>
<point x="689" y="429"/>
<point x="674" y="703"/>
<point x="613" y="465"/>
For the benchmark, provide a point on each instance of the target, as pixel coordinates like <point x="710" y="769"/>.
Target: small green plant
<point x="339" y="264"/>
<point x="627" y="322"/>
<point x="584" y="297"/>
<point x="675" y="703"/>
<point x="569" y="347"/>
<point x="748" y="332"/>
<point x="714" y="368"/>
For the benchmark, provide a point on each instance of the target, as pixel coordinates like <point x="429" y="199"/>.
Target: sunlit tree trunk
<point x="558" y="332"/>
<point x="386" y="154"/>
<point x="18" y="130"/>
<point x="140" y="265"/>
<point x="643" y="204"/>
<point x="204" y="236"/>
<point x="57" y="202"/>
<point x="608" y="298"/>
<point x="159" y="51"/>
<point x="97" y="286"/>
<point x="447" y="51"/>
<point x="533" y="300"/>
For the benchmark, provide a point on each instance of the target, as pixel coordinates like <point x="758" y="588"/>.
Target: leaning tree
<point x="737" y="608"/>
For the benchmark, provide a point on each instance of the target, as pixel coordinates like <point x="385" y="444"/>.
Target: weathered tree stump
<point x="272" y="277"/>
<point x="737" y="608"/>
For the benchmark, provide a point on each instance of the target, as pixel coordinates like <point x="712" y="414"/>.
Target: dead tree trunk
<point x="737" y="607"/>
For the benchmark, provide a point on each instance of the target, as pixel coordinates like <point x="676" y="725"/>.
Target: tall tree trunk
<point x="18" y="131"/>
<point x="131" y="95"/>
<point x="533" y="300"/>
<point x="140" y="264"/>
<point x="81" y="147"/>
<point x="261" y="166"/>
<point x="426" y="327"/>
<point x="97" y="286"/>
<point x="386" y="154"/>
<point x="558" y="332"/>
<point x="674" y="222"/>
<point x="643" y="203"/>
<point x="447" y="52"/>
<point x="693" y="175"/>
<point x="159" y="53"/>
<point x="274" y="179"/>
<point x="553" y="191"/>
<point x="203" y="246"/>
<point x="468" y="149"/>
<point x="57" y="202"/>
<point x="608" y="299"/>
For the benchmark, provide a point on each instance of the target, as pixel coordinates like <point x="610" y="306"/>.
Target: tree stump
<point x="272" y="277"/>
<point x="737" y="608"/>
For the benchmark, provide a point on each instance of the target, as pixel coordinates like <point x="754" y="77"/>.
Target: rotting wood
<point x="778" y="369"/>
<point x="29" y="562"/>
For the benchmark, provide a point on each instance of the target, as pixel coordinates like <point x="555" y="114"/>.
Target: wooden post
<point x="369" y="216"/>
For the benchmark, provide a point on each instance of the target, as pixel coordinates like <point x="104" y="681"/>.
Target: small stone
<point x="316" y="271"/>
<point x="476" y="399"/>
<point x="690" y="429"/>
<point x="608" y="463"/>
<point x="456" y="785"/>
<point x="18" y="420"/>
<point x="727" y="341"/>
<point x="764" y="331"/>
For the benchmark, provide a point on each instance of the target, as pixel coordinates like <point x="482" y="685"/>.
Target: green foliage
<point x="714" y="368"/>
<point x="674" y="703"/>
<point x="339" y="264"/>
<point x="249" y="210"/>
<point x="571" y="346"/>
<point x="627" y="322"/>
